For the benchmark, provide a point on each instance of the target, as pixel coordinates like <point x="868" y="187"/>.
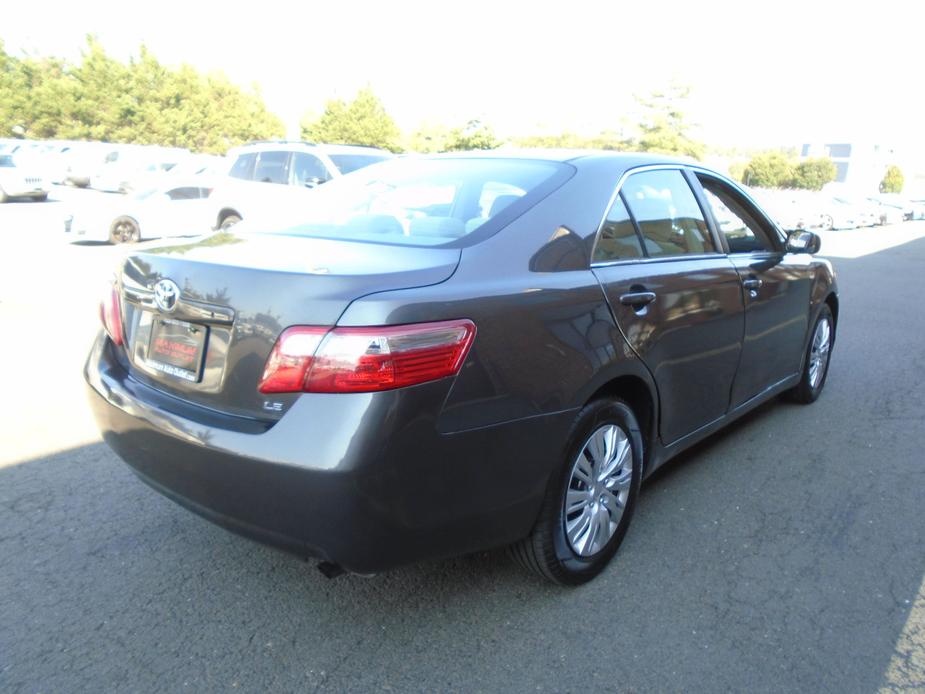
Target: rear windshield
<point x="416" y="202"/>
<point x="348" y="163"/>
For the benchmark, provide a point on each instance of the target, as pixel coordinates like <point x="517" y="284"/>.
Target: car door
<point x="180" y="214"/>
<point x="674" y="294"/>
<point x="307" y="170"/>
<point x="775" y="288"/>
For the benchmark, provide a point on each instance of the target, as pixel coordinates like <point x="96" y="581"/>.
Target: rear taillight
<point x="359" y="360"/>
<point x="111" y="315"/>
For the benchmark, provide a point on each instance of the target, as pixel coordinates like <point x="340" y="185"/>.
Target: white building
<point x="860" y="166"/>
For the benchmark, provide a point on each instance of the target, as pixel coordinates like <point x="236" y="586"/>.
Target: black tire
<point x="806" y="392"/>
<point x="229" y="221"/>
<point x="547" y="550"/>
<point x="124" y="230"/>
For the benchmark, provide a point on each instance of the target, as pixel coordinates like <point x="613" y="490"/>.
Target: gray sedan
<point x="458" y="352"/>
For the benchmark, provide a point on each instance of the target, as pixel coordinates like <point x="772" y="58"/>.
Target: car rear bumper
<point x="363" y="480"/>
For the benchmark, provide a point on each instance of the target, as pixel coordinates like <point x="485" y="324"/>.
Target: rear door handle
<point x="637" y="299"/>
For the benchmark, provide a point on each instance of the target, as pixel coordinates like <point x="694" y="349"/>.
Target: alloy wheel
<point x="819" y="353"/>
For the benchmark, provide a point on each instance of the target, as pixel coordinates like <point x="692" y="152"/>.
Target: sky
<point x="761" y="73"/>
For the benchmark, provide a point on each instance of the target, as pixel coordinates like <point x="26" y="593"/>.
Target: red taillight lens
<point x="290" y="360"/>
<point x="111" y="315"/>
<point x="358" y="360"/>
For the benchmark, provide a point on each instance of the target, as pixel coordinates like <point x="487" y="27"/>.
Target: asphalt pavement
<point x="786" y="553"/>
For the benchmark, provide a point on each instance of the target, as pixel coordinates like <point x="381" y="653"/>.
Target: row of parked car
<point x="837" y="207"/>
<point x="169" y="191"/>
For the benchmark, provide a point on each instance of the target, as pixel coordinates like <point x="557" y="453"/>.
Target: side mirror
<point x="314" y="182"/>
<point x="803" y="242"/>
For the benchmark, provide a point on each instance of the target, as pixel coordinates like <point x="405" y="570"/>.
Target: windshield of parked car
<point x="6" y="160"/>
<point x="415" y="201"/>
<point x="348" y="163"/>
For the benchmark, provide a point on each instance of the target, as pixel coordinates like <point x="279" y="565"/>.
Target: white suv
<point x="294" y="167"/>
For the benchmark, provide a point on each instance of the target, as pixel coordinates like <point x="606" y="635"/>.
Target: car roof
<point x="296" y="145"/>
<point x="625" y="159"/>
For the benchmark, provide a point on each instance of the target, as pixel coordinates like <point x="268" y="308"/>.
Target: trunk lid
<point x="236" y="294"/>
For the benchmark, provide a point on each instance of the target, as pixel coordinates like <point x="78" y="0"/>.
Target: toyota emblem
<point x="166" y="295"/>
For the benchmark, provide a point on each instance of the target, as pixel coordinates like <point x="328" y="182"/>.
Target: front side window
<point x="740" y="236"/>
<point x="740" y="226"/>
<point x="669" y="218"/>
<point x="308" y="170"/>
<point x="618" y="239"/>
<point x="272" y="167"/>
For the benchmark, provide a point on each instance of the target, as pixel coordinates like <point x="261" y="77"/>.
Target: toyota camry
<point x="446" y="354"/>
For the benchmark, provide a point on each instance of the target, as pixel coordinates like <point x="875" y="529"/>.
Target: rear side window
<point x="618" y="238"/>
<point x="189" y="193"/>
<point x="244" y="166"/>
<point x="272" y="167"/>
<point x="669" y="218"/>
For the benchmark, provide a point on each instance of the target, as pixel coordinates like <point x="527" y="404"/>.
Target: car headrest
<point x="501" y="202"/>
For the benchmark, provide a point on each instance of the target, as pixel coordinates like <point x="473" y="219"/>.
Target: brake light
<point x="360" y="360"/>
<point x="111" y="315"/>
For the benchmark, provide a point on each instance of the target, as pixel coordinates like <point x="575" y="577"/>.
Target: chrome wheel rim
<point x="598" y="490"/>
<point x="125" y="231"/>
<point x="819" y="353"/>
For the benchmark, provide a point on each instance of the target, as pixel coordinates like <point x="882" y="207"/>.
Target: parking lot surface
<point x="784" y="554"/>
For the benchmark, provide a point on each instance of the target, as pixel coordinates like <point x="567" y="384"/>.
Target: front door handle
<point x="752" y="283"/>
<point x="637" y="299"/>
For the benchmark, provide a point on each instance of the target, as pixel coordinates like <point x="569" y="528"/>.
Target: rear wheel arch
<point x="832" y="301"/>
<point x="224" y="214"/>
<point x="641" y="399"/>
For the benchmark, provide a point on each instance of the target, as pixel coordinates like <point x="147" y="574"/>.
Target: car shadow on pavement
<point x="106" y="582"/>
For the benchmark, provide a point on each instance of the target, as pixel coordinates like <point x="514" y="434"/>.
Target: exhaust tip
<point x="330" y="570"/>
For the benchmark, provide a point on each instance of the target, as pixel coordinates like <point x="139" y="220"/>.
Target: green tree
<point x="428" y="138"/>
<point x="737" y="171"/>
<point x="772" y="169"/>
<point x="812" y="174"/>
<point x="475" y="135"/>
<point x="141" y="101"/>
<point x="893" y="180"/>
<point x="663" y="126"/>
<point x="363" y="121"/>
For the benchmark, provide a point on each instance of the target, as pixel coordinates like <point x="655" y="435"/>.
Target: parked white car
<point x="125" y="166"/>
<point x="911" y="210"/>
<point x="791" y="209"/>
<point x="181" y="209"/>
<point x="83" y="161"/>
<point x="266" y="178"/>
<point x="19" y="180"/>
